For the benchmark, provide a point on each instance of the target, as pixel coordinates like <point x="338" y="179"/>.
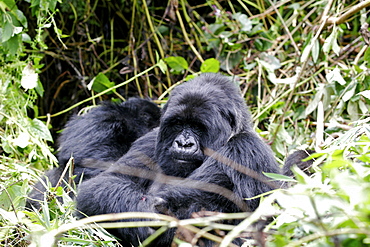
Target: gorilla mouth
<point x="185" y="160"/>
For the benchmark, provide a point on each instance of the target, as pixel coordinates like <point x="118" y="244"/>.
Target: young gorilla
<point x="206" y="138"/>
<point x="103" y="134"/>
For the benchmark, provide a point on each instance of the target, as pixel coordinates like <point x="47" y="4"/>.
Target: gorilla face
<point x="199" y="114"/>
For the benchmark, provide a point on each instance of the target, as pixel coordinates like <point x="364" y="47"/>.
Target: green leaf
<point x="350" y="92"/>
<point x="7" y="31"/>
<point x="331" y="43"/>
<point x="21" y="18"/>
<point x="59" y="191"/>
<point x="100" y="83"/>
<point x="279" y="177"/>
<point x="335" y="75"/>
<point x="305" y="53"/>
<point x="39" y="129"/>
<point x="315" y="51"/>
<point x="39" y="88"/>
<point x="367" y="56"/>
<point x="13" y="45"/>
<point x="189" y="77"/>
<point x="177" y="64"/>
<point x="52" y="5"/>
<point x="352" y="109"/>
<point x="365" y="94"/>
<point x="244" y="21"/>
<point x="7" y="199"/>
<point x="162" y="66"/>
<point x="318" y="97"/>
<point x="210" y="65"/>
<point x="10" y="4"/>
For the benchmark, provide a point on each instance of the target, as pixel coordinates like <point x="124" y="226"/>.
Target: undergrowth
<point x="302" y="67"/>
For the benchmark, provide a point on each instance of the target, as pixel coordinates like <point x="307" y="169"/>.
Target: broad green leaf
<point x="13" y="45"/>
<point x="365" y="93"/>
<point x="21" y="18"/>
<point x="177" y="64"/>
<point x="318" y="96"/>
<point x="39" y="88"/>
<point x="210" y="65"/>
<point x="244" y="21"/>
<point x="363" y="107"/>
<point x="350" y="92"/>
<point x="189" y="77"/>
<point x="335" y="76"/>
<point x="52" y="4"/>
<point x="279" y="177"/>
<point x="8" y="4"/>
<point x="9" y="198"/>
<point x="100" y="83"/>
<point x="39" y="129"/>
<point x="7" y="31"/>
<point x="271" y="63"/>
<point x="331" y="43"/>
<point x="352" y="109"/>
<point x="216" y="28"/>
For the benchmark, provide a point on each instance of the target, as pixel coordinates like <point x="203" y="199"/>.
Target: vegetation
<point x="302" y="66"/>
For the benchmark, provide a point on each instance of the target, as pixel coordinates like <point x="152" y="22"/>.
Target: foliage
<point x="331" y="208"/>
<point x="303" y="68"/>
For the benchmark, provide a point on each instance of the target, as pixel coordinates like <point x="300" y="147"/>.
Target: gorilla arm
<point x="237" y="167"/>
<point x="119" y="189"/>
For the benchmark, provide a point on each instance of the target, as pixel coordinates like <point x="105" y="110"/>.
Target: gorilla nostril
<point x="188" y="145"/>
<point x="184" y="144"/>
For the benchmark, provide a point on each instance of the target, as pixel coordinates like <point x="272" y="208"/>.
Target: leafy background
<point x="302" y="67"/>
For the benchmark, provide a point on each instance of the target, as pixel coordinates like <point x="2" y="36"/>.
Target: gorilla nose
<point x="185" y="144"/>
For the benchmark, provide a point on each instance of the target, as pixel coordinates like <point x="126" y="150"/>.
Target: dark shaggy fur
<point x="105" y="133"/>
<point x="296" y="159"/>
<point x="204" y="156"/>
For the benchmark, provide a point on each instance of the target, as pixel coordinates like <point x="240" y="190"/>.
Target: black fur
<point x="205" y="139"/>
<point x="105" y="133"/>
<point x="296" y="159"/>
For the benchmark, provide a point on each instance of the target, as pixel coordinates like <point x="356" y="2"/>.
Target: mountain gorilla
<point x="205" y="155"/>
<point x="105" y="133"/>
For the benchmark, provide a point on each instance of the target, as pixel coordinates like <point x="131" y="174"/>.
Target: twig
<point x="268" y="11"/>
<point x="186" y="35"/>
<point x="348" y="14"/>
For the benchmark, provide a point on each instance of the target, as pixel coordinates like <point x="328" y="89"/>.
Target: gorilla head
<point x="202" y="113"/>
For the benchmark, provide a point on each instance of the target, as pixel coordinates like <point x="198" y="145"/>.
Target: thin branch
<point x="348" y="14"/>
